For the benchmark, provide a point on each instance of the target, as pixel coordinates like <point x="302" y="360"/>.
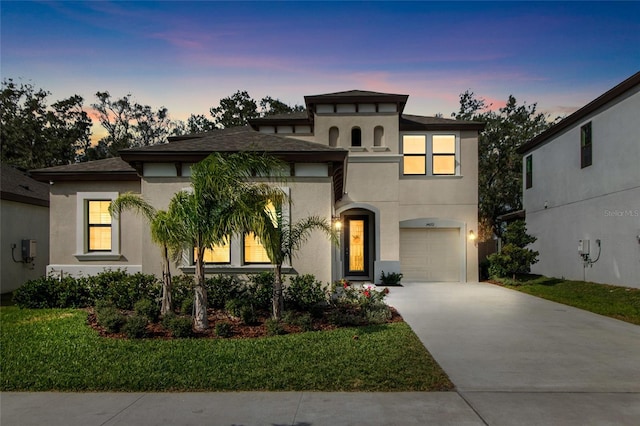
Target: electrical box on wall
<point x="583" y="247"/>
<point x="28" y="249"/>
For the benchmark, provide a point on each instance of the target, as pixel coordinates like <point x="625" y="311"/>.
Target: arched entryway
<point x="358" y="244"/>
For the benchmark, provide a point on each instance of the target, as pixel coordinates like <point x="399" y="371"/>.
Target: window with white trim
<point x="97" y="232"/>
<point x="442" y="150"/>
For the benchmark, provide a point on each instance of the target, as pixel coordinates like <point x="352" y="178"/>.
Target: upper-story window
<point x="440" y="149"/>
<point x="414" y="148"/>
<point x="378" y="136"/>
<point x="528" y="176"/>
<point x="356" y="136"/>
<point x="444" y="154"/>
<point x="585" y="145"/>
<point x="334" y="133"/>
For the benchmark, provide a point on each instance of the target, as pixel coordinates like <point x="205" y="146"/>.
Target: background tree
<point x="220" y="204"/>
<point x="500" y="166"/>
<point x="239" y="108"/>
<point x="163" y="233"/>
<point x="270" y="106"/>
<point x="235" y="110"/>
<point x="35" y="135"/>
<point x="128" y="124"/>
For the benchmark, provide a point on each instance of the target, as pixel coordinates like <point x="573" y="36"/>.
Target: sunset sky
<point x="188" y="55"/>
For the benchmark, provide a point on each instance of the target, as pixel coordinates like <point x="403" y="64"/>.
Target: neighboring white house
<point x="404" y="188"/>
<point x="582" y="191"/>
<point x="24" y="214"/>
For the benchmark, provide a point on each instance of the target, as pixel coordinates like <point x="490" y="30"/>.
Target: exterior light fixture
<point x="337" y="223"/>
<point x="472" y="236"/>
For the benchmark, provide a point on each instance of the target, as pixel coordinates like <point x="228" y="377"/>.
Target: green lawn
<point x="622" y="303"/>
<point x="54" y="349"/>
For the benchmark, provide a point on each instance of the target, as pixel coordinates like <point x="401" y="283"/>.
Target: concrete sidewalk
<point x="515" y="360"/>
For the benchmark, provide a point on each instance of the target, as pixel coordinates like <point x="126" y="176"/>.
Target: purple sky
<point x="188" y="55"/>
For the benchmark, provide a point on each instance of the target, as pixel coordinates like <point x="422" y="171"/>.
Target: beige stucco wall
<point x="309" y="197"/>
<point x="20" y="222"/>
<point x="64" y="228"/>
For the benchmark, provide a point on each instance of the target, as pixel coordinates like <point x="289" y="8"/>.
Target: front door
<point x="356" y="246"/>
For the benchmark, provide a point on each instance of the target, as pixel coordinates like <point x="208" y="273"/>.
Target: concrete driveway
<point x="518" y="359"/>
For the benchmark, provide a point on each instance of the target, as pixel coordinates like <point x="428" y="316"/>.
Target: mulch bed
<point x="239" y="329"/>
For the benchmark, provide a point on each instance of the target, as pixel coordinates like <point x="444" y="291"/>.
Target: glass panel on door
<point x="356" y="245"/>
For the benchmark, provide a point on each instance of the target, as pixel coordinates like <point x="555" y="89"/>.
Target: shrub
<point x="37" y="294"/>
<point x="514" y="258"/>
<point x="392" y="278"/>
<point x="110" y="318"/>
<point x="234" y="307"/>
<point x="181" y="326"/>
<point x="167" y="318"/>
<point x="181" y="289"/>
<point x="248" y="315"/>
<point x="122" y="289"/>
<point x="186" y="308"/>
<point x="224" y="329"/>
<point x="260" y="290"/>
<point x="73" y="293"/>
<point x="135" y="327"/>
<point x="304" y="292"/>
<point x="274" y="327"/>
<point x="304" y="321"/>
<point x="221" y="289"/>
<point x="147" y="308"/>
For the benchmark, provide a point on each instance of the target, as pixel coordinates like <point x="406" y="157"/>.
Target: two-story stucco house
<point x="582" y="191"/>
<point x="403" y="188"/>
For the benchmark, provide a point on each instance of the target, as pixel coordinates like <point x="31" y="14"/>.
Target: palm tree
<point x="163" y="229"/>
<point x="282" y="240"/>
<point x="221" y="203"/>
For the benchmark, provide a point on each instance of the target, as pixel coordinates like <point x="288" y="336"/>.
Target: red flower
<point x="386" y="290"/>
<point x="345" y="284"/>
<point x="367" y="293"/>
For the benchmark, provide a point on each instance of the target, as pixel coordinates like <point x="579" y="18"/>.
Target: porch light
<point x="337" y="223"/>
<point x="472" y="235"/>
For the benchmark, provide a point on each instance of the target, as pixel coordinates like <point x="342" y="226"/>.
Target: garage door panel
<point x="430" y="254"/>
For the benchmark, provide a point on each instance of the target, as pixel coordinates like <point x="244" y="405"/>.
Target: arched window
<point x="356" y="136"/>
<point x="333" y="136"/>
<point x="378" y="136"/>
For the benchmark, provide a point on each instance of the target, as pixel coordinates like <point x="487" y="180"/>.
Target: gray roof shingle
<point x="18" y="186"/>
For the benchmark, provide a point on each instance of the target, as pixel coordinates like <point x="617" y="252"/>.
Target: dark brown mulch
<point x="239" y="329"/>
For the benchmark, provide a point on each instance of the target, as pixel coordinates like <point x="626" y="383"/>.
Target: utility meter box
<point x="28" y="249"/>
<point x="583" y="247"/>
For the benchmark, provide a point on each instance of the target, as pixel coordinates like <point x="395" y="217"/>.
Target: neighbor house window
<point x="218" y="254"/>
<point x="98" y="225"/>
<point x="444" y="154"/>
<point x="585" y="145"/>
<point x="414" y="149"/>
<point x="356" y="137"/>
<point x="528" y="177"/>
<point x="254" y="251"/>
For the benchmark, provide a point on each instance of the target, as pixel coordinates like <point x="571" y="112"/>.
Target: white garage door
<point x="430" y="254"/>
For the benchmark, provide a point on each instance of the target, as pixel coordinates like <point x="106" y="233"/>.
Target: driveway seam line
<point x="472" y="407"/>
<point x="295" y="415"/>
<point x="123" y="410"/>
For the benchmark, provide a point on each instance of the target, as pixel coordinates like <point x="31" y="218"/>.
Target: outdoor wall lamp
<point x="337" y="223"/>
<point x="473" y="237"/>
